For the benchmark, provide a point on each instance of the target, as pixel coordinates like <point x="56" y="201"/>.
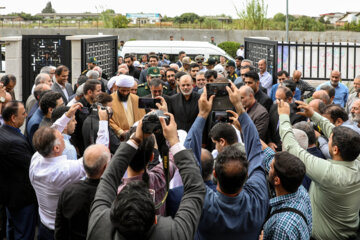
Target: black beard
<point x="122" y="98"/>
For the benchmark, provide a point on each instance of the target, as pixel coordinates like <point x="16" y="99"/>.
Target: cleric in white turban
<point x="125" y="106"/>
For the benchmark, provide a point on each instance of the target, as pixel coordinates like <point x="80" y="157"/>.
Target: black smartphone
<point x="222" y="116"/>
<point x="148" y="103"/>
<point x="221" y="101"/>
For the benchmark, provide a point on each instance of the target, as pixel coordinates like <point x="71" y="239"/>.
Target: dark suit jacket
<point x="263" y="99"/>
<point x="16" y="190"/>
<point x="55" y="87"/>
<point x="72" y="213"/>
<point x="185" y="112"/>
<point x="260" y="117"/>
<point x="273" y="133"/>
<point x="183" y="226"/>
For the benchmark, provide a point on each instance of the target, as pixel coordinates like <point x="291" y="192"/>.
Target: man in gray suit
<point x="131" y="213"/>
<point x="255" y="110"/>
<point x="61" y="84"/>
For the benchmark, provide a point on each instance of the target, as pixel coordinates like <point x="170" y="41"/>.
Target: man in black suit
<point x="16" y="192"/>
<point x="252" y="80"/>
<point x="285" y="94"/>
<point x="72" y="213"/>
<point x="184" y="105"/>
<point x="61" y="84"/>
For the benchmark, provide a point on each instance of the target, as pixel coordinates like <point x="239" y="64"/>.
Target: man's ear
<point x="336" y="150"/>
<point x="277" y="181"/>
<point x="222" y="142"/>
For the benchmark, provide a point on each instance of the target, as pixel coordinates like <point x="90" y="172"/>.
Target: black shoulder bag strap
<point x="288" y="210"/>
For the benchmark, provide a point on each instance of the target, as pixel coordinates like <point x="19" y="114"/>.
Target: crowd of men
<point x="282" y="164"/>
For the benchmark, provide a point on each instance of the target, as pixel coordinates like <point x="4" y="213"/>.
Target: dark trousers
<point x="45" y="233"/>
<point x="21" y="223"/>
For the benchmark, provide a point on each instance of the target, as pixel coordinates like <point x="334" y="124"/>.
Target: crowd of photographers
<point x="197" y="149"/>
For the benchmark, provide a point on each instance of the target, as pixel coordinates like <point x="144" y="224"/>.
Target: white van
<point x="172" y="49"/>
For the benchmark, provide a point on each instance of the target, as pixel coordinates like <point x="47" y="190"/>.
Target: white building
<point x="349" y="17"/>
<point x="332" y="17"/>
<point x="144" y="18"/>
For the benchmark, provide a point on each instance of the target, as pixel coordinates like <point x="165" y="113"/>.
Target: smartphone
<point x="221" y="101"/>
<point x="222" y="116"/>
<point x="148" y="103"/>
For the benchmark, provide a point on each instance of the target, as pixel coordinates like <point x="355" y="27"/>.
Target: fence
<point x="316" y="60"/>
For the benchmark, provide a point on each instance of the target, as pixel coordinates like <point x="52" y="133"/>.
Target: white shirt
<point x="49" y="176"/>
<point x="64" y="90"/>
<point x="71" y="102"/>
<point x="240" y="52"/>
<point x="266" y="81"/>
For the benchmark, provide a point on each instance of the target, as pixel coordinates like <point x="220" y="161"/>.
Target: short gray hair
<point x="47" y="69"/>
<point x="301" y="138"/>
<point x="91" y="74"/>
<point x="40" y="78"/>
<point x="101" y="160"/>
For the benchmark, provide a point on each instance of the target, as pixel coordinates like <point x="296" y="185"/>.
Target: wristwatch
<point x="2" y="99"/>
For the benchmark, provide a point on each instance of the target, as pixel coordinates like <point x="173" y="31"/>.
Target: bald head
<point x="96" y="158"/>
<point x="262" y="65"/>
<point x="322" y="95"/>
<point x="296" y="75"/>
<point x="317" y="105"/>
<point x="40" y="88"/>
<point x="335" y="77"/>
<point x="43" y="78"/>
<point x="247" y="96"/>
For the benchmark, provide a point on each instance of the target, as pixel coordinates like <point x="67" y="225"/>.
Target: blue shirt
<point x="34" y="123"/>
<point x="288" y="225"/>
<point x="341" y="93"/>
<point x="242" y="216"/>
<point x="69" y="150"/>
<point x="297" y="95"/>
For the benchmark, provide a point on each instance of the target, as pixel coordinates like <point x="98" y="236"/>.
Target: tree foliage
<point x="229" y="47"/>
<point x="305" y="23"/>
<point x="188" y="18"/>
<point x="48" y="8"/>
<point x="254" y="14"/>
<point x="120" y="21"/>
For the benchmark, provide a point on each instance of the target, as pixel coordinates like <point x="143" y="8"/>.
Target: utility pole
<point x="287" y="20"/>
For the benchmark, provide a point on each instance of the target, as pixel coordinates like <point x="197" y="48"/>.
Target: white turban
<point x="111" y="82"/>
<point x="125" y="81"/>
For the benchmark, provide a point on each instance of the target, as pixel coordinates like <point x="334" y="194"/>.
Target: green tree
<point x="229" y="47"/>
<point x="188" y="18"/>
<point x="48" y="8"/>
<point x="120" y="21"/>
<point x="254" y="14"/>
<point x="305" y="23"/>
<point x="279" y="17"/>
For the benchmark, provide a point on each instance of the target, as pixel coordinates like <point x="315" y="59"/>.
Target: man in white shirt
<point x="265" y="77"/>
<point x="50" y="171"/>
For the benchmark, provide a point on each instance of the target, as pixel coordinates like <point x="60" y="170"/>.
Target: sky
<point x="175" y="8"/>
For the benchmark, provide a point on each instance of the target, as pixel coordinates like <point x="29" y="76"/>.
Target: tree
<point x="279" y="17"/>
<point x="48" y="8"/>
<point x="254" y="14"/>
<point x="188" y="18"/>
<point x="120" y="21"/>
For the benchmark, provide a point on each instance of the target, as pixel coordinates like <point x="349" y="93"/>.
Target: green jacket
<point x="144" y="89"/>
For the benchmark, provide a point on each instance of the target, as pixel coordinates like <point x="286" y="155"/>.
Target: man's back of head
<point x="44" y="140"/>
<point x="96" y="158"/>
<point x="231" y="170"/>
<point x="347" y="142"/>
<point x="336" y="114"/>
<point x="207" y="164"/>
<point x="92" y="74"/>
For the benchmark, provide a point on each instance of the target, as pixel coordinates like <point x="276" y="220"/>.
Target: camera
<point x="151" y="122"/>
<point x="221" y="101"/>
<point x="222" y="116"/>
<point x="102" y="107"/>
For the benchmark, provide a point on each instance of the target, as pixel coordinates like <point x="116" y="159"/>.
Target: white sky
<point x="174" y="7"/>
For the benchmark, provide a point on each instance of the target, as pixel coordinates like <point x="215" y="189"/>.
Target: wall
<point x="189" y="34"/>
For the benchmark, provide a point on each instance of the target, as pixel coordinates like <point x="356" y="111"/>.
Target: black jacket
<point x="133" y="71"/>
<point x="72" y="213"/>
<point x="263" y="99"/>
<point x="80" y="117"/>
<point x="185" y="112"/>
<point x="16" y="190"/>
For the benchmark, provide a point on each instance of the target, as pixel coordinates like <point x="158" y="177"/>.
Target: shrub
<point x="229" y="47"/>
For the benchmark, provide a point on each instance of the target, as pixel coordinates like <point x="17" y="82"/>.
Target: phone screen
<point x="148" y="103"/>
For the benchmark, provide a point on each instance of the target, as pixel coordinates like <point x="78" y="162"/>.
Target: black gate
<point x="104" y="49"/>
<point x="257" y="49"/>
<point x="39" y="51"/>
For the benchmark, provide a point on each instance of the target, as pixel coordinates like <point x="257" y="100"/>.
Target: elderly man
<point x="72" y="214"/>
<point x="355" y="112"/>
<point x="355" y="95"/>
<point x="302" y="85"/>
<point x="341" y="90"/>
<point x="61" y="84"/>
<point x="265" y="77"/>
<point x="256" y="111"/>
<point x="323" y="96"/>
<point x="184" y="105"/>
<point x="143" y="89"/>
<point x="200" y="81"/>
<point x="41" y="78"/>
<point x="125" y="106"/>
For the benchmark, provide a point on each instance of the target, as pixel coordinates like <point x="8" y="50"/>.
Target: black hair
<point x="210" y="73"/>
<point x="290" y="85"/>
<point x="225" y="131"/>
<point x="240" y="58"/>
<point x="43" y="93"/>
<point x="11" y="108"/>
<point x="329" y="89"/>
<point x="178" y="75"/>
<point x="103" y="98"/>
<point x="231" y="169"/>
<point x="155" y="82"/>
<point x="347" y="140"/>
<point x="82" y="79"/>
<point x="154" y="56"/>
<point x="194" y="65"/>
<point x="290" y="169"/>
<point x="49" y="101"/>
<point x="6" y="79"/>
<point x="308" y="129"/>
<point x="170" y="70"/>
<point x="252" y="74"/>
<point x="322" y="107"/>
<point x="61" y="69"/>
<point x="280" y="73"/>
<point x="58" y="112"/>
<point x="336" y="111"/>
<point x="133" y="211"/>
<point x="181" y="52"/>
<point x="91" y="85"/>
